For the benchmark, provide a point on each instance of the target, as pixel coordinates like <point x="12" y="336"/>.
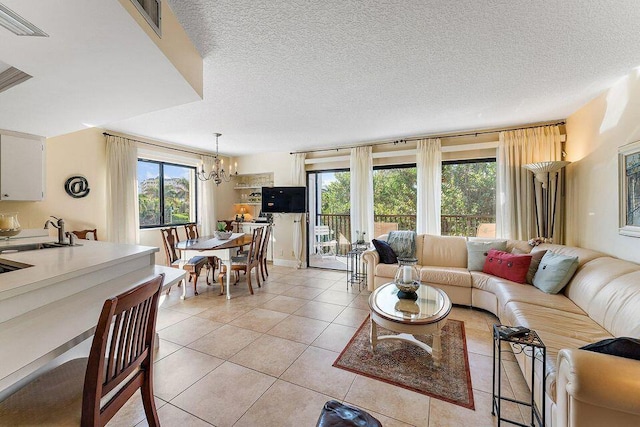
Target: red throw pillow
<point x="508" y="266"/>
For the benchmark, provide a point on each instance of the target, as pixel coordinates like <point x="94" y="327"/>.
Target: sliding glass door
<point x="329" y="222"/>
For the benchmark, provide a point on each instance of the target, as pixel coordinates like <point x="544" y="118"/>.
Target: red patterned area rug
<point x="406" y="365"/>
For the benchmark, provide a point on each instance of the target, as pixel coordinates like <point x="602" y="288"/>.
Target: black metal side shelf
<point x="529" y="343"/>
<point x="356" y="274"/>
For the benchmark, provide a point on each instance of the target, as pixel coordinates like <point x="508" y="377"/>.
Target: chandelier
<point x="218" y="173"/>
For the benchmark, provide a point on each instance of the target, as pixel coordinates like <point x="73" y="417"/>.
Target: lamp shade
<point x="541" y="169"/>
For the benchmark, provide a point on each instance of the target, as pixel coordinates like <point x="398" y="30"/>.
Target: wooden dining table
<point x="212" y="246"/>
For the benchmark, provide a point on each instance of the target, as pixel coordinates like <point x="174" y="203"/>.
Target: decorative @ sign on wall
<point x="77" y="186"/>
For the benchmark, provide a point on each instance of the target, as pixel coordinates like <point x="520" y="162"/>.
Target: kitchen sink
<point x="7" y="266"/>
<point x="32" y="247"/>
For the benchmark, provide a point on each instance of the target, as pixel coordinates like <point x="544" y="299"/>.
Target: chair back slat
<point x="254" y="248"/>
<point x="85" y="234"/>
<point x="111" y="360"/>
<point x="192" y="231"/>
<point x="118" y="338"/>
<point x="170" y="238"/>
<point x="265" y="242"/>
<point x="124" y="335"/>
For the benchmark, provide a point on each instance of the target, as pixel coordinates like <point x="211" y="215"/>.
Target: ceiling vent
<point x="150" y="9"/>
<point x="11" y="77"/>
<point x="17" y="24"/>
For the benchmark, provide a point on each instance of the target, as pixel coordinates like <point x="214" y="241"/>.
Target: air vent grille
<point x="12" y="77"/>
<point x="150" y="9"/>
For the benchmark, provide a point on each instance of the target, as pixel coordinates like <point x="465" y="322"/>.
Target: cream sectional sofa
<point x="601" y="301"/>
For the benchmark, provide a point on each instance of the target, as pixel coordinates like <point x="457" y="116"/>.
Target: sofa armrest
<point x="370" y="258"/>
<point x="595" y="388"/>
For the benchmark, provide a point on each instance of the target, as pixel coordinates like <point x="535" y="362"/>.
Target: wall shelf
<point x="249" y="188"/>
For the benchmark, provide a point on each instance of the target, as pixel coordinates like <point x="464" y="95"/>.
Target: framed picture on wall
<point x="629" y="178"/>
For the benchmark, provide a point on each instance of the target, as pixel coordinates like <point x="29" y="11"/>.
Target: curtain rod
<point x="158" y="145"/>
<point x="398" y="141"/>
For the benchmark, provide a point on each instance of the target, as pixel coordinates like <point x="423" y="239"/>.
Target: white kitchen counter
<point x="52" y="265"/>
<point x="52" y="306"/>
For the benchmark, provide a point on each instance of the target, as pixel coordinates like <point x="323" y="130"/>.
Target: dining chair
<point x="120" y="362"/>
<point x="193" y="266"/>
<point x="192" y="232"/>
<point x="87" y="234"/>
<point x="264" y="247"/>
<point x="246" y="262"/>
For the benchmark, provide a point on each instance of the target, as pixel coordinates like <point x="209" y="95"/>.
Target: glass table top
<point x="431" y="306"/>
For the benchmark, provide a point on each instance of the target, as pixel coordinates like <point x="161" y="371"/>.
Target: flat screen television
<point x="284" y="199"/>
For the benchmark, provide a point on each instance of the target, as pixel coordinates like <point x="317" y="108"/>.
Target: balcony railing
<point x="451" y="225"/>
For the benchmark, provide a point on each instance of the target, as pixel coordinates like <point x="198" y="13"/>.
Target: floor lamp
<point x="546" y="172"/>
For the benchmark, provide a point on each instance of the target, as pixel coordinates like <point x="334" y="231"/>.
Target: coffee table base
<point x="407" y="333"/>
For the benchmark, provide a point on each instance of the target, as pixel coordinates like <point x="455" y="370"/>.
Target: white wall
<point x="77" y="153"/>
<point x="594" y="133"/>
<point x="280" y="164"/>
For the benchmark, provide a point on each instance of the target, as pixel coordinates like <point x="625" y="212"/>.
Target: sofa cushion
<point x="389" y="270"/>
<point x="554" y="272"/>
<point x="615" y="305"/>
<point x="431" y="275"/>
<point x="443" y="251"/>
<point x="507" y="291"/>
<point x="584" y="255"/>
<point x="403" y="243"/>
<point x="385" y="252"/>
<point x="558" y="329"/>
<point x="595" y="275"/>
<point x="508" y="266"/>
<point x="477" y="252"/>
<point x="547" y="320"/>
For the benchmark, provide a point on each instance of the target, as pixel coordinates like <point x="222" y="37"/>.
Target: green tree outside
<point x="468" y="189"/>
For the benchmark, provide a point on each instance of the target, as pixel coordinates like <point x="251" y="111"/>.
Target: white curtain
<point x="298" y="178"/>
<point x="429" y="165"/>
<point x="122" y="190"/>
<point x="515" y="211"/>
<point x="361" y="165"/>
<point x="207" y="208"/>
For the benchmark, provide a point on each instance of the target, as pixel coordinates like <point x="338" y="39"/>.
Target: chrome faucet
<point x="59" y="224"/>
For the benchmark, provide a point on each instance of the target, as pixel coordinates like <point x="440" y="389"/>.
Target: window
<point x="395" y="193"/>
<point x="468" y="196"/>
<point x="166" y="194"/>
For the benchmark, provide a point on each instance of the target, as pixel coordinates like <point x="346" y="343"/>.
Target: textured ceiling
<point x="291" y="75"/>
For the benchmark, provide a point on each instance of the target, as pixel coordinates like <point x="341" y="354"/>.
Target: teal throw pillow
<point x="554" y="272"/>
<point x="403" y="243"/>
<point x="477" y="252"/>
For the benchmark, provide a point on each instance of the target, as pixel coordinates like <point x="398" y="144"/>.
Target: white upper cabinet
<point x="21" y="168"/>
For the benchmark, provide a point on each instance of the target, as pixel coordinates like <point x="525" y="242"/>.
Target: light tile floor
<point x="265" y="359"/>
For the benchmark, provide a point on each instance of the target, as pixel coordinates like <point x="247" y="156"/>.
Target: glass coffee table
<point x="424" y="316"/>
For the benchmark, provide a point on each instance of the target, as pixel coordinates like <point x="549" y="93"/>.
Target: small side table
<point x="355" y="273"/>
<point x="531" y="346"/>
